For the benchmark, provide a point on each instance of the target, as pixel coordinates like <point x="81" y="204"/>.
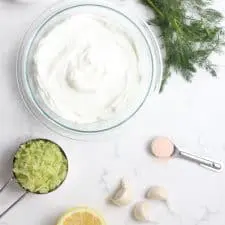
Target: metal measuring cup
<point x="26" y="191"/>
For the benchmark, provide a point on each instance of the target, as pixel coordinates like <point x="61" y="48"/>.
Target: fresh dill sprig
<point x="190" y="31"/>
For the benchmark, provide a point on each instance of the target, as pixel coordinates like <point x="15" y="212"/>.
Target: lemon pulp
<point x="81" y="216"/>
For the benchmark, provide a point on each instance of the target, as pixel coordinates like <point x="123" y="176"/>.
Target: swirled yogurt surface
<point x="87" y="69"/>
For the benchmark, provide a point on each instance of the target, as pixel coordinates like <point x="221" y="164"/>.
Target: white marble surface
<point x="193" y="115"/>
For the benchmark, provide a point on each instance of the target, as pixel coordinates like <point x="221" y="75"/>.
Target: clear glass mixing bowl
<point x="150" y="65"/>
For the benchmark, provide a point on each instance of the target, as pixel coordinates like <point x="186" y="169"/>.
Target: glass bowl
<point x="149" y="55"/>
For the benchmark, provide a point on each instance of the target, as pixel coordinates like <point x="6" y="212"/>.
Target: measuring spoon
<point x="163" y="147"/>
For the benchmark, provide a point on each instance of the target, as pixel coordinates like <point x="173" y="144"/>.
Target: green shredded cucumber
<point x="40" y="166"/>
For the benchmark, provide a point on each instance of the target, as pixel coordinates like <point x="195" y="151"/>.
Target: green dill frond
<point x="191" y="32"/>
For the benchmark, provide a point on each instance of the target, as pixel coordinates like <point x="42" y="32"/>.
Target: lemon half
<point x="81" y="216"/>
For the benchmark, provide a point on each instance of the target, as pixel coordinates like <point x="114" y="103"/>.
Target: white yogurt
<point x="87" y="69"/>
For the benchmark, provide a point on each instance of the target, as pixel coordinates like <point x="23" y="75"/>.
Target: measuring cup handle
<point x="13" y="204"/>
<point x="6" y="184"/>
<point x="201" y="161"/>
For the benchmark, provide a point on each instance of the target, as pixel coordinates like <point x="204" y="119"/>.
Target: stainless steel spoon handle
<point x="201" y="161"/>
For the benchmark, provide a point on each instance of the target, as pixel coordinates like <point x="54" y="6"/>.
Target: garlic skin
<point x="157" y="193"/>
<point x="122" y="196"/>
<point x="141" y="211"/>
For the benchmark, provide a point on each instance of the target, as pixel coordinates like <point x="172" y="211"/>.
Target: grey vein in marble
<point x="207" y="214"/>
<point x="104" y="182"/>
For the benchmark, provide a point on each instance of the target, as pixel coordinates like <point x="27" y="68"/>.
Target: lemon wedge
<point x="81" y="216"/>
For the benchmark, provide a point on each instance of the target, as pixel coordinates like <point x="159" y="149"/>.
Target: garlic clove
<point x="157" y="193"/>
<point x="141" y="211"/>
<point x="122" y="196"/>
<point x="161" y="194"/>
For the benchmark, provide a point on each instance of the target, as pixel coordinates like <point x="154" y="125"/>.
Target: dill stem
<point x="155" y="8"/>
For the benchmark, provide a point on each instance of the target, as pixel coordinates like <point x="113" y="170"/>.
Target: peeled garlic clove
<point x="122" y="195"/>
<point x="141" y="211"/>
<point x="161" y="194"/>
<point x="157" y="193"/>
